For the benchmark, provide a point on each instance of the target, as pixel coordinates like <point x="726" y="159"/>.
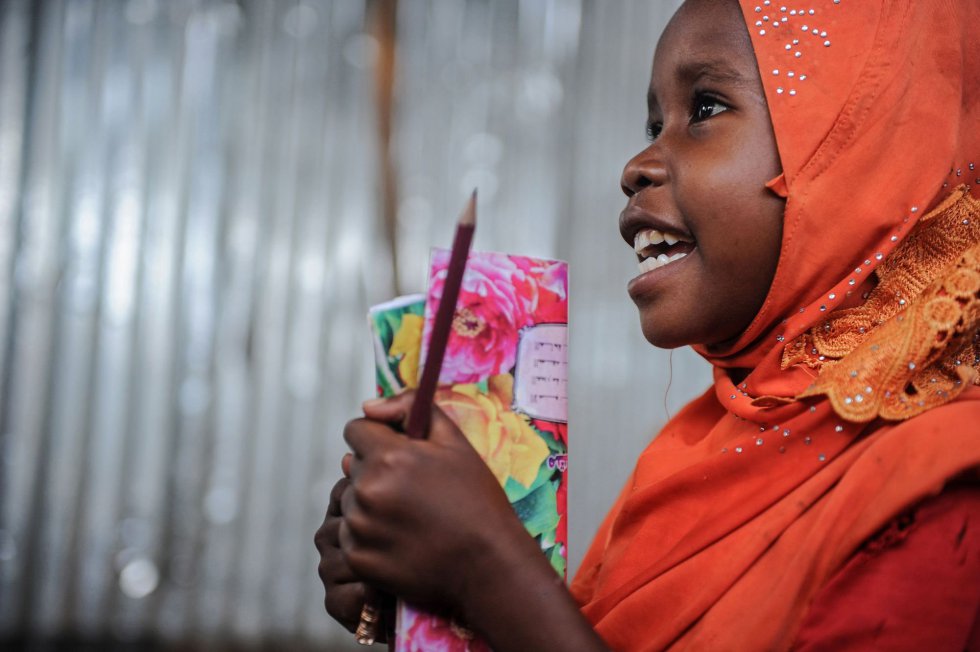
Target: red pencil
<point x="418" y="419"/>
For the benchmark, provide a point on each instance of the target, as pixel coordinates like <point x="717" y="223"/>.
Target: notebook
<point x="504" y="383"/>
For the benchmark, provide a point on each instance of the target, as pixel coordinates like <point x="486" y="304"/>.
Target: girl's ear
<point x="778" y="186"/>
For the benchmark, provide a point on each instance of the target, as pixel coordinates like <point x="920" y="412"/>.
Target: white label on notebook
<point x="541" y="376"/>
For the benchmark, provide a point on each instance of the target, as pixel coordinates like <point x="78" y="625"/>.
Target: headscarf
<point x="860" y="401"/>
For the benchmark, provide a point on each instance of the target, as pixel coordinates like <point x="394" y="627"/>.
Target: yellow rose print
<point x="503" y="438"/>
<point x="405" y="345"/>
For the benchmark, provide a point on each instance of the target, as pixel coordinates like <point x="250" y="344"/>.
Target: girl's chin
<point x="661" y="333"/>
<point x="670" y="332"/>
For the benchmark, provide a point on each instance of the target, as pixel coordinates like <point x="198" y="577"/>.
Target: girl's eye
<point x="653" y="130"/>
<point x="706" y="107"/>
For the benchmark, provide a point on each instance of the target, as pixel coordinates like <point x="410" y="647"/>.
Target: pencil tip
<point x="469" y="214"/>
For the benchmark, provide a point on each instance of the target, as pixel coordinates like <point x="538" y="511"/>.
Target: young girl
<point x="814" y="163"/>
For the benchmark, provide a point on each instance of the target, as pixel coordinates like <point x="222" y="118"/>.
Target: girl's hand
<point x="422" y="519"/>
<point x="427" y="521"/>
<point x="345" y="593"/>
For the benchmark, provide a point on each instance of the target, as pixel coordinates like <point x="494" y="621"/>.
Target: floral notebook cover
<point x="504" y="383"/>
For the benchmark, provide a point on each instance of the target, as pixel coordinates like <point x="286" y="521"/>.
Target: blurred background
<point x="199" y="199"/>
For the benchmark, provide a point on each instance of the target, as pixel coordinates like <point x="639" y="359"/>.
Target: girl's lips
<point x="634" y="220"/>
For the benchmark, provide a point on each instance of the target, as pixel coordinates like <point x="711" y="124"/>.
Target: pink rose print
<point x="496" y="300"/>
<point x="424" y="633"/>
<point x="551" y="289"/>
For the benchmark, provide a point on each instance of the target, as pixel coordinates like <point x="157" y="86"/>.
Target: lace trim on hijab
<point x="914" y="343"/>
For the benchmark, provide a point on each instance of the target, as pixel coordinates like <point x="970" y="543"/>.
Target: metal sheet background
<point x="189" y="240"/>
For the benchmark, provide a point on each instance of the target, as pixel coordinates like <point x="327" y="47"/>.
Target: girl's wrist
<point x="496" y="570"/>
<point x="517" y="601"/>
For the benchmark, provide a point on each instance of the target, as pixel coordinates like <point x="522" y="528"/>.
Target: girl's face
<point x="705" y="228"/>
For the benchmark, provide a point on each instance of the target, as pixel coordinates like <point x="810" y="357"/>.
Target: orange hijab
<point x="861" y="399"/>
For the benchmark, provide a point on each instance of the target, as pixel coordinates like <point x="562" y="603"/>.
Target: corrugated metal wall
<point x="190" y="234"/>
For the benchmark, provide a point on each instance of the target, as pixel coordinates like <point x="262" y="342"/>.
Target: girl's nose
<point x="645" y="169"/>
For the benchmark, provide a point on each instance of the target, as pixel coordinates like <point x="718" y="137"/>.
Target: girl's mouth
<point x="656" y="249"/>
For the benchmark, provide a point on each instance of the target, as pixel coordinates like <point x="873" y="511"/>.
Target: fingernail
<point x="374" y="402"/>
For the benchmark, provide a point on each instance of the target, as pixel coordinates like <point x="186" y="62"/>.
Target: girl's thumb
<point x="392" y="410"/>
<point x="442" y="429"/>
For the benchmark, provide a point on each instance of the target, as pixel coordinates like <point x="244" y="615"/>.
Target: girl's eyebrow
<point x="712" y="71"/>
<point x="715" y="71"/>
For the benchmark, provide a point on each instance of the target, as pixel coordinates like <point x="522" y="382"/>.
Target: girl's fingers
<point x="333" y="509"/>
<point x="359" y="537"/>
<point x="365" y="436"/>
<point x="391" y="410"/>
<point x="327" y="535"/>
<point x="321" y="536"/>
<point x="345" y="464"/>
<point x="344" y="539"/>
<point x="344" y="602"/>
<point x="332" y="568"/>
<point x="395" y="410"/>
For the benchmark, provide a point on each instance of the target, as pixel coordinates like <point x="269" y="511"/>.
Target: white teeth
<point x="645" y="238"/>
<point x="641" y="241"/>
<point x="650" y="264"/>
<point x="648" y="237"/>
